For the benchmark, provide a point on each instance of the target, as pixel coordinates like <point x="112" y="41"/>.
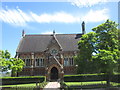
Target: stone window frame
<point x="40" y="59"/>
<point x="25" y="58"/>
<point x="69" y="59"/>
<point x="67" y="62"/>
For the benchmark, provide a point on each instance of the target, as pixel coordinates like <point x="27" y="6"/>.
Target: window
<point x="27" y="62"/>
<point x="71" y="61"/>
<point x="39" y="62"/>
<point x="66" y="62"/>
<point x="54" y="52"/>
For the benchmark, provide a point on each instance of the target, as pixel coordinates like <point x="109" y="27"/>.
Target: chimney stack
<point x="83" y="27"/>
<point x="23" y="33"/>
<point x="53" y="31"/>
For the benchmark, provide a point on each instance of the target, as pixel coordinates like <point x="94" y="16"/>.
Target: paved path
<point x="52" y="86"/>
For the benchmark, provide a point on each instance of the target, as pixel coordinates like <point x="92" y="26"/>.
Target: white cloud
<point x="96" y="16"/>
<point x="86" y="3"/>
<point x="49" y="32"/>
<point x="19" y="18"/>
<point x="61" y="17"/>
<point x="15" y="17"/>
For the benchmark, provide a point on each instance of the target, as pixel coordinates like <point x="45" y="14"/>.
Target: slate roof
<point x="39" y="43"/>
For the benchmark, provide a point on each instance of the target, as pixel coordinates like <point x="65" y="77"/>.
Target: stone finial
<point x="23" y="33"/>
<point x="83" y="27"/>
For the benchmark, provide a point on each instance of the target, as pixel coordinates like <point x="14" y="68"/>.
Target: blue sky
<point x="44" y="17"/>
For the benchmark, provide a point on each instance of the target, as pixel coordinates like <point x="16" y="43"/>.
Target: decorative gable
<point x="54" y="46"/>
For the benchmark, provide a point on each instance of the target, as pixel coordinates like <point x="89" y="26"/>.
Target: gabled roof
<point x="57" y="42"/>
<point x="39" y="43"/>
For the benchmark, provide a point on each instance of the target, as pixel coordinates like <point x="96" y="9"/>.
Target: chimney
<point x="53" y="31"/>
<point x="83" y="27"/>
<point x="23" y="33"/>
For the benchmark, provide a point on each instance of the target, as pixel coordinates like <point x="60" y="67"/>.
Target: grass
<point x="91" y="83"/>
<point x="22" y="77"/>
<point x="85" y="74"/>
<point x="114" y="84"/>
<point x="26" y="85"/>
<point x="84" y="83"/>
<point x="20" y="85"/>
<point x="90" y="74"/>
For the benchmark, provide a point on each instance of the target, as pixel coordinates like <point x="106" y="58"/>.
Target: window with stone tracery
<point x="39" y="62"/>
<point x="71" y="61"/>
<point x="68" y="61"/>
<point x="26" y="60"/>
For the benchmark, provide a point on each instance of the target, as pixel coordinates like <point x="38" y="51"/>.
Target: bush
<point x="84" y="78"/>
<point x="115" y="78"/>
<point x="91" y="77"/>
<point x="22" y="80"/>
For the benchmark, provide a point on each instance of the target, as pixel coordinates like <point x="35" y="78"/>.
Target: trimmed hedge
<point x="85" y="78"/>
<point x="22" y="80"/>
<point x="115" y="78"/>
<point x="91" y="77"/>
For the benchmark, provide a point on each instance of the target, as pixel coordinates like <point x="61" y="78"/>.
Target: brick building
<point x="49" y="55"/>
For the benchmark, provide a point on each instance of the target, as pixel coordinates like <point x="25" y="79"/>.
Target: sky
<point x="65" y="17"/>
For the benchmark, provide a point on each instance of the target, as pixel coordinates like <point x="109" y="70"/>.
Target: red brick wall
<point x="69" y="70"/>
<point x="37" y="71"/>
<point x="25" y="72"/>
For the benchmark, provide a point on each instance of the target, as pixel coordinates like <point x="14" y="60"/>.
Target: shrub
<point x="84" y="78"/>
<point x="115" y="78"/>
<point x="22" y="80"/>
<point x="91" y="77"/>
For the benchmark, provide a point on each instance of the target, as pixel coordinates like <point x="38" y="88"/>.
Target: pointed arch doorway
<point x="54" y="73"/>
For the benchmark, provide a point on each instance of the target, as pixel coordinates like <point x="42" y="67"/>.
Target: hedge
<point x="115" y="78"/>
<point x="22" y="80"/>
<point x="92" y="77"/>
<point x="84" y="78"/>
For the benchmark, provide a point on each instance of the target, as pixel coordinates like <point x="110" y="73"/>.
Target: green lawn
<point x="84" y="83"/>
<point x="114" y="84"/>
<point x="25" y="85"/>
<point x="90" y="83"/>
<point x="20" y="85"/>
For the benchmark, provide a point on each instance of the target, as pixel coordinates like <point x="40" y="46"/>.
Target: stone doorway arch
<point x="48" y="74"/>
<point x="54" y="74"/>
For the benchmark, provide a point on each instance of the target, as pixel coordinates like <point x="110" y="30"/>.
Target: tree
<point x="5" y="60"/>
<point x="101" y="47"/>
<point x="16" y="65"/>
<point x="8" y="63"/>
<point x="86" y="49"/>
<point x="107" y="44"/>
<point x="107" y="47"/>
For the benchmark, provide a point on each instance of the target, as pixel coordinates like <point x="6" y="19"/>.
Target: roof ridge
<point x="49" y="34"/>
